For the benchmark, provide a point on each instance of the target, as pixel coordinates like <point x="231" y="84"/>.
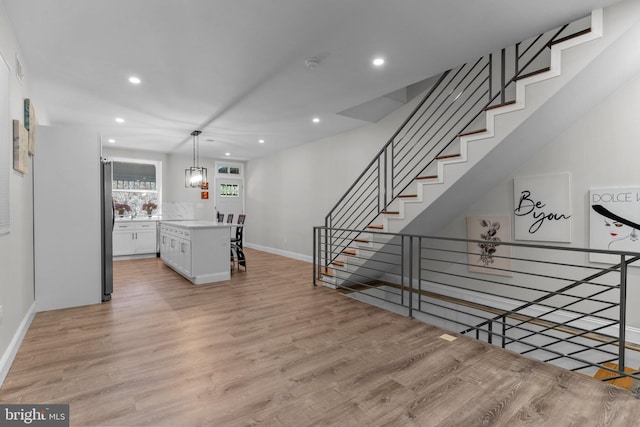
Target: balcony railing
<point x="548" y="302"/>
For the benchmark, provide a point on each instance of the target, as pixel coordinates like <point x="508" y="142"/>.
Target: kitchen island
<point x="198" y="250"/>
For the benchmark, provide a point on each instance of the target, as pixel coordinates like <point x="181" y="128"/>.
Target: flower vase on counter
<point x="149" y="208"/>
<point x="121" y="208"/>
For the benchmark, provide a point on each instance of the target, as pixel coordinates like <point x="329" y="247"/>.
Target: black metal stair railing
<point x="455" y="104"/>
<point x="547" y="302"/>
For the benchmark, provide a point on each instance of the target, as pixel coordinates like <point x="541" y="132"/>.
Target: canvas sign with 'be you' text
<point x="542" y="209"/>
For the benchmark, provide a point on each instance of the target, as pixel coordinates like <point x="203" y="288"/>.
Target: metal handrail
<point x="564" y="310"/>
<point x="456" y="101"/>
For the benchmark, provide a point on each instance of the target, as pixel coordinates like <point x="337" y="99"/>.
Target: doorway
<point x="229" y="189"/>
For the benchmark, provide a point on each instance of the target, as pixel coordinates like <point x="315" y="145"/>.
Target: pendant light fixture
<point x="195" y="175"/>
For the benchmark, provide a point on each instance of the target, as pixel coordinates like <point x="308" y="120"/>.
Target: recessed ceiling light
<point x="135" y="80"/>
<point x="112" y="141"/>
<point x="119" y="120"/>
<point x="378" y="62"/>
<point x="227" y="154"/>
<point x="316" y="120"/>
<point x="261" y="141"/>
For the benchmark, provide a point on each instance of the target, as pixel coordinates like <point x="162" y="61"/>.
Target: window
<point x="232" y="169"/>
<point x="136" y="187"/>
<point x="229" y="190"/>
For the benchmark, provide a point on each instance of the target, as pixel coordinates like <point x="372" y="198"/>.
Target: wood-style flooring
<point x="266" y="348"/>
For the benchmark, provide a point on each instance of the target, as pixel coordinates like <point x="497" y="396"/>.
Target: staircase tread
<point x="327" y="271"/>
<point x="406" y="196"/>
<point x="571" y="36"/>
<point x="338" y="263"/>
<point x="504" y="104"/>
<point x="427" y="177"/>
<point x="390" y="212"/>
<point x="377" y="227"/>
<point x="349" y="252"/>
<point x="447" y="156"/>
<point x="604" y="374"/>
<point x="533" y="73"/>
<point x="473" y="132"/>
<point x="361" y="240"/>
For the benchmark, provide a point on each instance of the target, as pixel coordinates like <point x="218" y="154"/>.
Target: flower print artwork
<point x="488" y="247"/>
<point x="489" y="255"/>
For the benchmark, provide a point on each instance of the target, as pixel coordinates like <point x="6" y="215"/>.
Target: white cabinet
<point x="123" y="239"/>
<point x="134" y="237"/>
<point x="198" y="250"/>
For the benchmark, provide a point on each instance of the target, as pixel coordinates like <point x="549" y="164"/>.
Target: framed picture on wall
<point x="542" y="209"/>
<point x="20" y="147"/>
<point x="489" y="256"/>
<point x="30" y="125"/>
<point x="614" y="221"/>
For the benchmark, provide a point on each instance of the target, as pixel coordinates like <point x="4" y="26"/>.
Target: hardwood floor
<point x="268" y="349"/>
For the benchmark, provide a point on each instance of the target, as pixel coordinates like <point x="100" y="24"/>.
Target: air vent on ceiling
<point x="19" y="70"/>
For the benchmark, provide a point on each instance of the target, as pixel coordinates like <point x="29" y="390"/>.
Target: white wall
<point x="599" y="150"/>
<point x="16" y="248"/>
<point x="67" y="223"/>
<point x="292" y="191"/>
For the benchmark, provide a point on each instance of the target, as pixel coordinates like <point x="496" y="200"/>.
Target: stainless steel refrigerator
<point x="107" y="221"/>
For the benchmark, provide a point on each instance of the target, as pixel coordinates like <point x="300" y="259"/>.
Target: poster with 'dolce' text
<point x="614" y="221"/>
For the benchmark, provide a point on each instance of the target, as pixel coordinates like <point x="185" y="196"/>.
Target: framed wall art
<point x="614" y="221"/>
<point x="489" y="256"/>
<point x="542" y="209"/>
<point x="20" y="147"/>
<point x="30" y="125"/>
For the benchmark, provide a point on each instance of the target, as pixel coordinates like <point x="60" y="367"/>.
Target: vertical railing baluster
<point x="315" y="253"/>
<point x="384" y="205"/>
<point x="490" y="77"/>
<point x="419" y="273"/>
<point x="504" y="331"/>
<point x="517" y="57"/>
<point x="623" y="313"/>
<point x="328" y="225"/>
<point x="503" y="76"/>
<point x="490" y="331"/>
<point x="393" y="170"/>
<point x="402" y="273"/>
<point x="411" y="277"/>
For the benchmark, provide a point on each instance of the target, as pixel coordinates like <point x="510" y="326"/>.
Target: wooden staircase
<point x="471" y="146"/>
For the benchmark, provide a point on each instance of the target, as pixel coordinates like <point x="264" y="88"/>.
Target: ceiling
<point x="235" y="69"/>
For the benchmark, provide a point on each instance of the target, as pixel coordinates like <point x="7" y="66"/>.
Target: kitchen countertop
<point x="197" y="224"/>
<point x="138" y="218"/>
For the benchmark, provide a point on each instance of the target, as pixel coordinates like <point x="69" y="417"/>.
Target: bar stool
<point x="237" y="252"/>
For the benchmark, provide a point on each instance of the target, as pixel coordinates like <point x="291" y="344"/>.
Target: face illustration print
<point x="618" y="231"/>
<point x="617" y="228"/>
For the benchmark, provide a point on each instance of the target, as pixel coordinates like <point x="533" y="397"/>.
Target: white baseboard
<point x="14" y="345"/>
<point x="299" y="257"/>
